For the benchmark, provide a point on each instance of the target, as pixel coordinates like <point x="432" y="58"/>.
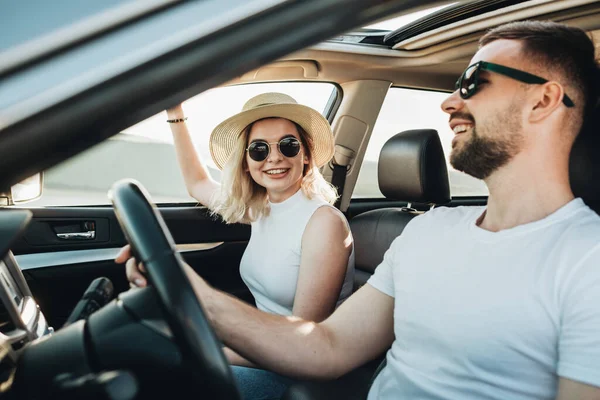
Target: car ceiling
<point x="436" y="66"/>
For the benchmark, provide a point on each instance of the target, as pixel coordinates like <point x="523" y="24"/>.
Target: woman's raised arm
<point x="197" y="179"/>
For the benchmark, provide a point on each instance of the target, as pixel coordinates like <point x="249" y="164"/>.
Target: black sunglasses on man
<point x="468" y="81"/>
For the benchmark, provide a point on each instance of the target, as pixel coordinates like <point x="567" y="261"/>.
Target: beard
<point x="481" y="155"/>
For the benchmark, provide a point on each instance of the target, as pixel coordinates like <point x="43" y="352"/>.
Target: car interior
<point x="70" y="325"/>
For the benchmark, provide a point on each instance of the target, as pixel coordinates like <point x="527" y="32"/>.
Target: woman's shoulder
<point x="315" y="199"/>
<point x="321" y="208"/>
<point x="327" y="218"/>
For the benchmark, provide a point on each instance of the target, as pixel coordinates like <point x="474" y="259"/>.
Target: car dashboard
<point x="124" y="342"/>
<point x="21" y="319"/>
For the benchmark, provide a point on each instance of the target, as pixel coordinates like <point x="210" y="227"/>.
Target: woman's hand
<point x="196" y="176"/>
<point x="133" y="269"/>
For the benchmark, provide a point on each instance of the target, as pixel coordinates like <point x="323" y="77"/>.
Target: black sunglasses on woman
<point x="259" y="150"/>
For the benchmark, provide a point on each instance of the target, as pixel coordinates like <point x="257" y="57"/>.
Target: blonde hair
<point x="241" y="199"/>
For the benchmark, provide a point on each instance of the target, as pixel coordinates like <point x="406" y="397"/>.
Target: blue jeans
<point x="259" y="384"/>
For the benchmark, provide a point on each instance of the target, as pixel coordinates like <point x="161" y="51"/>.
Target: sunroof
<point x="393" y="24"/>
<point x="445" y="16"/>
<point x="389" y="32"/>
<point x="375" y="34"/>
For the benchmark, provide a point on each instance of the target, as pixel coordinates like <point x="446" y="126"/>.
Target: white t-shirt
<point x="484" y="315"/>
<point x="271" y="262"/>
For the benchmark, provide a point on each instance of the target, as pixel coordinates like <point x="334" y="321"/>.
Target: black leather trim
<point x="354" y="385"/>
<point x="373" y="232"/>
<point x="584" y="164"/>
<point x="412" y="168"/>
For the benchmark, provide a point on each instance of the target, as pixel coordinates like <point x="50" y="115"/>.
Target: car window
<point x="405" y="109"/>
<point x="40" y="17"/>
<point x="145" y="151"/>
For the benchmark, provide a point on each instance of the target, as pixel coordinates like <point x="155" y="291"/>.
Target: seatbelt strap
<point x="338" y="179"/>
<point x="340" y="164"/>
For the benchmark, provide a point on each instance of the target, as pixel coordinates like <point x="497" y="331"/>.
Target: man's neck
<point x="523" y="192"/>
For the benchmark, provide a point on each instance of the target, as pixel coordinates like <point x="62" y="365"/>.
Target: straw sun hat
<point x="277" y="105"/>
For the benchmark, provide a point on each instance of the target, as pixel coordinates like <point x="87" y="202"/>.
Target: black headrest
<point x="584" y="165"/>
<point x="412" y="168"/>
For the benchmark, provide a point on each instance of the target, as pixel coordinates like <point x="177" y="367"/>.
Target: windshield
<point x="26" y="20"/>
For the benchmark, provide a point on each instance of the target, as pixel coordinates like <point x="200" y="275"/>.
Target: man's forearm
<point x="357" y="332"/>
<point x="286" y="345"/>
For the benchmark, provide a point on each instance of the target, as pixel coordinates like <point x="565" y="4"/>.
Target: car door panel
<point x="59" y="270"/>
<point x="187" y="225"/>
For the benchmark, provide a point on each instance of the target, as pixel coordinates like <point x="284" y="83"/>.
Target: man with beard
<point x="498" y="302"/>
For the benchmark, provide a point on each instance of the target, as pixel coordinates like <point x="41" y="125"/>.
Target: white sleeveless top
<point x="271" y="262"/>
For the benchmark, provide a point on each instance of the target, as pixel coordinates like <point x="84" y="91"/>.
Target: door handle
<point x="89" y="235"/>
<point x="76" y="230"/>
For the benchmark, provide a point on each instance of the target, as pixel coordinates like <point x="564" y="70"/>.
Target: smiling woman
<point x="234" y="144"/>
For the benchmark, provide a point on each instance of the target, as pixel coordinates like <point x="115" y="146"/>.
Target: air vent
<point x="6" y="323"/>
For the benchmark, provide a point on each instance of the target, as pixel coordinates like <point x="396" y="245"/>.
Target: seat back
<point x="584" y="163"/>
<point x="412" y="168"/>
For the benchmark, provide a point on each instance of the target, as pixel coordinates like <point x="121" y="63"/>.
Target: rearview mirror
<point x="24" y="191"/>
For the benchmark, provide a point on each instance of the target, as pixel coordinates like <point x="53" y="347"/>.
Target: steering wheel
<point x="152" y="244"/>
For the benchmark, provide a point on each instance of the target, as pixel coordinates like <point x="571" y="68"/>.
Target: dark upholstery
<point x="373" y="232"/>
<point x="412" y="168"/>
<point x="584" y="166"/>
<point x="352" y="386"/>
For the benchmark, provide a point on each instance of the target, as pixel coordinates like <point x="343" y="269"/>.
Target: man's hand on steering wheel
<point x="135" y="271"/>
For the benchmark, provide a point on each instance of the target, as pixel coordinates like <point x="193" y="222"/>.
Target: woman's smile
<point x="276" y="173"/>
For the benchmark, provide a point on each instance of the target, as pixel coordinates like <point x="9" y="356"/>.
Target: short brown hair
<point x="565" y="49"/>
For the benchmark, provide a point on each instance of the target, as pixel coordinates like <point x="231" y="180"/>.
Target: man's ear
<point x="549" y="98"/>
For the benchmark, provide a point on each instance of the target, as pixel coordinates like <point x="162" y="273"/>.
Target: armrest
<point x="354" y="385"/>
